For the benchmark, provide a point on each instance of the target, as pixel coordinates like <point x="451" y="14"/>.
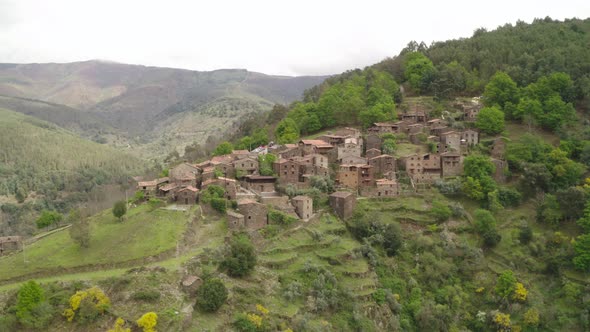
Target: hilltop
<point x="144" y="104"/>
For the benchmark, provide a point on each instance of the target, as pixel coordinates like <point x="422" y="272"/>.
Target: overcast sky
<point x="301" y="37"/>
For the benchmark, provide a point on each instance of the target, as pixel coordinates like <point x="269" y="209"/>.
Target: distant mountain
<point x="165" y="106"/>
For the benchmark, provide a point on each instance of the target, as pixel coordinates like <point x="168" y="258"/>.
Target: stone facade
<point x="260" y="183"/>
<point x="470" y="137"/>
<point x="498" y="148"/>
<point x="382" y="165"/>
<point x="187" y="195"/>
<point x="235" y="220"/>
<point x="449" y="142"/>
<point x="499" y="174"/>
<point x="349" y="150"/>
<point x="451" y="164"/>
<point x="343" y="204"/>
<point x="303" y="206"/>
<point x="373" y="141"/>
<point x="353" y="176"/>
<point x="353" y="160"/>
<point x="246" y="166"/>
<point x="372" y="153"/>
<point x="10" y="244"/>
<point x="255" y="214"/>
<point x="288" y="171"/>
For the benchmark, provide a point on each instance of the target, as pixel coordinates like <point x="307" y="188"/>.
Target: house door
<point x="186" y="201"/>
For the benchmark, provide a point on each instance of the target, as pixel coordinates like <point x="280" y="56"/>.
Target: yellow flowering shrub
<point x="255" y="319"/>
<point x="262" y="309"/>
<point x="480" y="290"/>
<point x="148" y="322"/>
<point x="531" y="317"/>
<point x="520" y="293"/>
<point x="94" y="294"/>
<point x="502" y="321"/>
<point x="119" y="326"/>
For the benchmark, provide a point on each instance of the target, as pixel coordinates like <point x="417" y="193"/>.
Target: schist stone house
<point x="9" y="244"/>
<point x="303" y="206"/>
<point x="343" y="204"/>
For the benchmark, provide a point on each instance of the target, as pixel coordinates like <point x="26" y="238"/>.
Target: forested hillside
<point x="48" y="167"/>
<point x="153" y="110"/>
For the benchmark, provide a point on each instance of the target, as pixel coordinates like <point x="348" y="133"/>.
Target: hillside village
<point x="356" y="161"/>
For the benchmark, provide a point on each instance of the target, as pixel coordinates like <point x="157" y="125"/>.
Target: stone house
<point x="348" y="149"/>
<point x="311" y="146"/>
<point x="498" y="148"/>
<point x="450" y="141"/>
<point x="333" y="140"/>
<point x="9" y="244"/>
<point x="148" y="188"/>
<point x="354" y="176"/>
<point x="225" y="165"/>
<point x="246" y="166"/>
<point x="451" y="164"/>
<point x="255" y="214"/>
<point x="349" y="132"/>
<point x="386" y="188"/>
<point x="353" y="160"/>
<point x="168" y="191"/>
<point x="343" y="204"/>
<point x="372" y="153"/>
<point x="415" y="128"/>
<point x="241" y="154"/>
<point x="184" y="174"/>
<point x="437" y="131"/>
<point x="383" y="128"/>
<point x="470" y="137"/>
<point x="303" y="206"/>
<point x="470" y="112"/>
<point x="187" y="195"/>
<point x="382" y="165"/>
<point x="289" y="151"/>
<point x="230" y="186"/>
<point x="422" y="168"/>
<point x="260" y="183"/>
<point x="235" y="220"/>
<point x="414" y="117"/>
<point x="288" y="171"/>
<point x="436" y="123"/>
<point x="374" y="141"/>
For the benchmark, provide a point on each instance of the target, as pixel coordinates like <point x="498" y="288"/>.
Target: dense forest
<point x="46" y="167"/>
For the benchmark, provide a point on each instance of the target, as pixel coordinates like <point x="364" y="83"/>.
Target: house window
<point x="249" y="217"/>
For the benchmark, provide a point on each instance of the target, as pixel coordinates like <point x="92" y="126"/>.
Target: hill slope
<point x="145" y="102"/>
<point x="54" y="164"/>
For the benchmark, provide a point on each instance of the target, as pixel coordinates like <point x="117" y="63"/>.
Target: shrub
<point x="119" y="209"/>
<point x="100" y="302"/>
<point x="49" y="218"/>
<point x="155" y="203"/>
<point x="118" y="327"/>
<point x="148" y="322"/>
<point x="244" y="324"/>
<point x="440" y="211"/>
<point x="219" y="204"/>
<point x="280" y="218"/>
<point x="525" y="235"/>
<point x="31" y="308"/>
<point x="148" y="296"/>
<point x="241" y="259"/>
<point x="211" y="295"/>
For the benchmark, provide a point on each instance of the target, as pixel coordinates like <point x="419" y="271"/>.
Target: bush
<point x="30" y="296"/>
<point x="509" y="196"/>
<point x="148" y="322"/>
<point x="219" y="204"/>
<point x="280" y="218"/>
<point x="119" y="209"/>
<point x="440" y="211"/>
<point x="243" y="324"/>
<point x="241" y="259"/>
<point x="211" y="295"/>
<point x="148" y="296"/>
<point x="525" y="235"/>
<point x="155" y="203"/>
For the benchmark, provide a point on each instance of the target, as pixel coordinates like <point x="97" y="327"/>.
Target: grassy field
<point x="143" y="233"/>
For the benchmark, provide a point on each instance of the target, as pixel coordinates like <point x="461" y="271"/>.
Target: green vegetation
<point x="240" y="259"/>
<point x="119" y="209"/>
<point x="143" y="234"/>
<point x="490" y="120"/>
<point x="211" y="295"/>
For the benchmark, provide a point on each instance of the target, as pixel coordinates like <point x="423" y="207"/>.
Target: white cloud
<point x="276" y="37"/>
